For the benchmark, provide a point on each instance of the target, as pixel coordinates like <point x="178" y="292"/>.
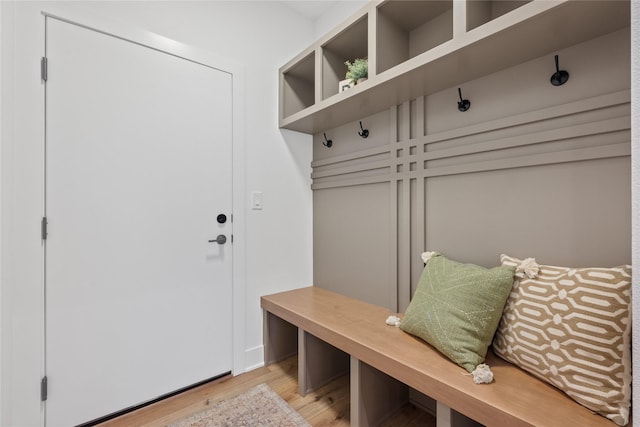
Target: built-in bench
<point x="334" y="334"/>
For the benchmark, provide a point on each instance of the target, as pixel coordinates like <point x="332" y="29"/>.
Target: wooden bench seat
<point x="373" y="349"/>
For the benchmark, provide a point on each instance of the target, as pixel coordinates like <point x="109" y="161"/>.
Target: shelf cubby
<point x="348" y="45"/>
<point x="298" y="86"/>
<point x="405" y="29"/>
<point x="480" y="12"/>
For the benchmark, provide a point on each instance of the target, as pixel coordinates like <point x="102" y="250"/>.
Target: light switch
<point x="256" y="200"/>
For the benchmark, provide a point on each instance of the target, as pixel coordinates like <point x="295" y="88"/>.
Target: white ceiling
<point x="311" y="9"/>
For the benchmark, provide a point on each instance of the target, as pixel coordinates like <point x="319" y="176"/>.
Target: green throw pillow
<point x="457" y="308"/>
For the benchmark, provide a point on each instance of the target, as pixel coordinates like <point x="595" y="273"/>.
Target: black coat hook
<point x="327" y="142"/>
<point x="363" y="132"/>
<point x="560" y="77"/>
<point x="463" y="104"/>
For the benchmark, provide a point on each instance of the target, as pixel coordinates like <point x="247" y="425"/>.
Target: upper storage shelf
<point x="405" y="29"/>
<point x="349" y="44"/>
<point x="298" y="85"/>
<point x="417" y="48"/>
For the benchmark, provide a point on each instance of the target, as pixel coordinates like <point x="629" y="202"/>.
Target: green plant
<point x="357" y="70"/>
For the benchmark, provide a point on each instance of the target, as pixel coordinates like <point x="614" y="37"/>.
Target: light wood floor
<point x="328" y="406"/>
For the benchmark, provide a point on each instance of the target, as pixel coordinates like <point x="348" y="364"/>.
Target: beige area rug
<point x="260" y="406"/>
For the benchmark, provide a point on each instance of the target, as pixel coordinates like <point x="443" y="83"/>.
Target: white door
<point x="138" y="168"/>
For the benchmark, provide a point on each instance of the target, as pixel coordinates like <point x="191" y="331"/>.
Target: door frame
<point x="183" y="51"/>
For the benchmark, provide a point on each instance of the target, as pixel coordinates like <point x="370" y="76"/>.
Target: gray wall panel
<point x="531" y="170"/>
<point x="352" y="242"/>
<point x="572" y="214"/>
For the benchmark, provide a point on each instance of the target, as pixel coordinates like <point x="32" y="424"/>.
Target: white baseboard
<point x="254" y="358"/>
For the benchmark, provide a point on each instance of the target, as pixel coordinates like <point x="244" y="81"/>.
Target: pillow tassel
<point x="482" y="374"/>
<point x="426" y="256"/>
<point x="393" y="321"/>
<point x="528" y="267"/>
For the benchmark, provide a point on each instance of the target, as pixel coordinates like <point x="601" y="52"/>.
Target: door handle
<point x="221" y="239"/>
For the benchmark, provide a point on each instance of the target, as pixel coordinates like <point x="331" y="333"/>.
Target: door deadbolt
<point x="221" y="239"/>
<point x="222" y="218"/>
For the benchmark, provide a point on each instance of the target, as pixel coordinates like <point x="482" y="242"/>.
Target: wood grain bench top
<point x="515" y="398"/>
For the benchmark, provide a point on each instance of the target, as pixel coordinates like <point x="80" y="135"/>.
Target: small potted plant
<point x="357" y="71"/>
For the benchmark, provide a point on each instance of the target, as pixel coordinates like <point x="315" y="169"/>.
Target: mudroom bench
<point x="333" y="334"/>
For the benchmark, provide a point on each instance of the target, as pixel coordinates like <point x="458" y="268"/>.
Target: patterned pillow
<point x="571" y="328"/>
<point x="457" y="307"/>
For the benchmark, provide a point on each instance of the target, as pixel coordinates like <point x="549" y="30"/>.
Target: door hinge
<point x="43" y="389"/>
<point x="43" y="69"/>
<point x="44" y="228"/>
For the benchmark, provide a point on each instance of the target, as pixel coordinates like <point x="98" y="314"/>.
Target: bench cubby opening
<point x="318" y="363"/>
<point x="280" y="339"/>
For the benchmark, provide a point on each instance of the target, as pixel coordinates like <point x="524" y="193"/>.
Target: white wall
<point x="335" y="14"/>
<point x="1" y="239"/>
<point x="260" y="36"/>
<point x="635" y="202"/>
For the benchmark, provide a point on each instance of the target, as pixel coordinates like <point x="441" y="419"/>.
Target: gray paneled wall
<point x="531" y="170"/>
